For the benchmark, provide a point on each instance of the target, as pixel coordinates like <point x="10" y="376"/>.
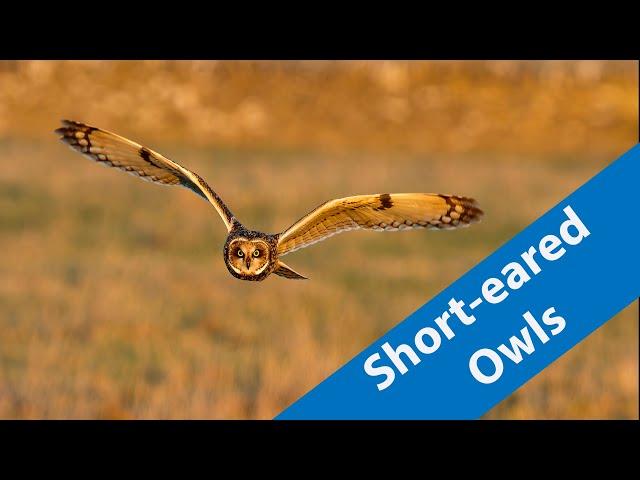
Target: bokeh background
<point x="114" y="299"/>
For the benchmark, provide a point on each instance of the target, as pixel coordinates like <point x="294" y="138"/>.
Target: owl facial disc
<point x="248" y="257"/>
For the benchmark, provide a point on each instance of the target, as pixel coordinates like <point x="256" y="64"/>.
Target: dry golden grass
<point x="410" y="107"/>
<point x="114" y="299"/>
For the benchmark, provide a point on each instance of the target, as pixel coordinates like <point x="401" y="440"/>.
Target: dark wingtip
<point x="64" y="129"/>
<point x="473" y="209"/>
<point x="475" y="212"/>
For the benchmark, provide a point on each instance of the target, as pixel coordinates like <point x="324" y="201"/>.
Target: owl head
<point x="248" y="258"/>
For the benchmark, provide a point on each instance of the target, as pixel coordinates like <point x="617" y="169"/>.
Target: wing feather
<point x="379" y="212"/>
<point x="111" y="150"/>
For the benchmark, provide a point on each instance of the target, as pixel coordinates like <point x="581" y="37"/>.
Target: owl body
<point x="252" y="255"/>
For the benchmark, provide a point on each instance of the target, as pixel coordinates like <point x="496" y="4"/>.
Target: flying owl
<point x="252" y="255"/>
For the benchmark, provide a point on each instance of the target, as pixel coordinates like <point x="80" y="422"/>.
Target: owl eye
<point x="256" y="253"/>
<point x="240" y="253"/>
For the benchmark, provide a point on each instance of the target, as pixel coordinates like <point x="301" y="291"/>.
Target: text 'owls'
<point x="515" y="275"/>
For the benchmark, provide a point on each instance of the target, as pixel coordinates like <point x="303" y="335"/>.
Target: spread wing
<point x="381" y="212"/>
<point x="115" y="151"/>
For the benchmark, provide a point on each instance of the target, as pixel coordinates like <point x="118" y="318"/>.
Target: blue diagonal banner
<point x="503" y="321"/>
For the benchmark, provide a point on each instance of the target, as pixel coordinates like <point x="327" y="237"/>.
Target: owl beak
<point x="248" y="262"/>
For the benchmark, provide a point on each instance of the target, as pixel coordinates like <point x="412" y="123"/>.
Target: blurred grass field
<point x="114" y="298"/>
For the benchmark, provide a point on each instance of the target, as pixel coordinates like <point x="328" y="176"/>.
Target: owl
<point x="252" y="255"/>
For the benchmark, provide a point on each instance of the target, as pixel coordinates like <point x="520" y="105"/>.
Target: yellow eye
<point x="256" y="253"/>
<point x="240" y="254"/>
